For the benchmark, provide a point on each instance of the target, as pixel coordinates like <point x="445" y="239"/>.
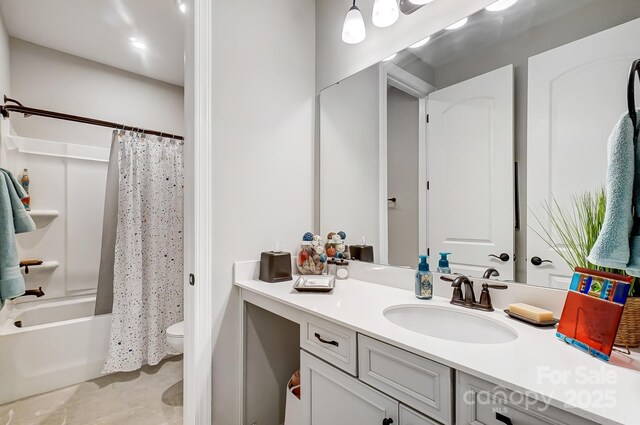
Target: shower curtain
<point x="148" y="260"/>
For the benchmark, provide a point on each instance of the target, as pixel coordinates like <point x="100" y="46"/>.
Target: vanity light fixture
<point x="353" y="30"/>
<point x="420" y="43"/>
<point x="420" y="2"/>
<point x="500" y="5"/>
<point x="461" y="23"/>
<point x="385" y="13"/>
<point x="137" y="43"/>
<point x="388" y="58"/>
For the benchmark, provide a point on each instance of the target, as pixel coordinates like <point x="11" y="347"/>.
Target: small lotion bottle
<point x="424" y="280"/>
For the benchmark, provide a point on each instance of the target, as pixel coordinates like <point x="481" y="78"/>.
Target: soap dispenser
<point x="424" y="280"/>
<point x="443" y="264"/>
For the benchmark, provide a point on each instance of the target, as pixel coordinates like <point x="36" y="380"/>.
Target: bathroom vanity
<point x="370" y="353"/>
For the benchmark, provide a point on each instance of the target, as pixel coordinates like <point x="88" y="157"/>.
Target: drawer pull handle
<point x="387" y="421"/>
<point x="324" y="341"/>
<point x="504" y="419"/>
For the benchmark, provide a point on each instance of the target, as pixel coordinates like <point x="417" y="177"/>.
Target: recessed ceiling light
<point x="461" y="23"/>
<point x="137" y="43"/>
<point x="420" y="43"/>
<point x="388" y="58"/>
<point x="182" y="6"/>
<point x="500" y="5"/>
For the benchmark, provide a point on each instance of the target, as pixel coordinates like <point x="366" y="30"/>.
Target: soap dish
<point x="315" y="283"/>
<point x="530" y="321"/>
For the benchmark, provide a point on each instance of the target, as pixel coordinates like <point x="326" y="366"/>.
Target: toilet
<point x="175" y="336"/>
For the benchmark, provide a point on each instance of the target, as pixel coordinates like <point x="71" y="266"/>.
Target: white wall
<point x="349" y="155"/>
<point x="5" y="82"/>
<point x="263" y="140"/>
<point x="5" y="71"/>
<point x="336" y="60"/>
<point x="402" y="177"/>
<point x="48" y="79"/>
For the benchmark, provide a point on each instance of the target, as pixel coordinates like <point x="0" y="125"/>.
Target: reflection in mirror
<point x="458" y="142"/>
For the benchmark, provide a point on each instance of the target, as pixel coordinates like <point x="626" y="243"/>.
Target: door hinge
<point x="427" y="118"/>
<point x="428" y="185"/>
<point x="428" y="252"/>
<point x="192" y="279"/>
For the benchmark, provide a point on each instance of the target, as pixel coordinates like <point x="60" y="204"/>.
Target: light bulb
<point x="420" y="43"/>
<point x="420" y="2"/>
<point x="461" y="23"/>
<point x="385" y="13"/>
<point x="353" y="31"/>
<point x="500" y="5"/>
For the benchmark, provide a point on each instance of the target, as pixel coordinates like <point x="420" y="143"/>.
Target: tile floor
<point x="150" y="396"/>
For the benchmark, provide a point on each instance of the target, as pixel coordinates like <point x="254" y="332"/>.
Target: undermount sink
<point x="451" y="323"/>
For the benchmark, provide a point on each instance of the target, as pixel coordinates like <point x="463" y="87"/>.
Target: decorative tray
<point x="530" y="321"/>
<point x="315" y="283"/>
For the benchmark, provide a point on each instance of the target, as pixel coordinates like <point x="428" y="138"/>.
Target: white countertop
<point x="536" y="363"/>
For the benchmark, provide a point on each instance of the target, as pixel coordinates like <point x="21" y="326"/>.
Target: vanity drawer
<point x="479" y="402"/>
<point x="413" y="380"/>
<point x="411" y="417"/>
<point x="333" y="343"/>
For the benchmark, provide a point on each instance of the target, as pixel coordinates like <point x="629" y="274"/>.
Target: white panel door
<point x="331" y="397"/>
<point x="470" y="210"/>
<point x="577" y="93"/>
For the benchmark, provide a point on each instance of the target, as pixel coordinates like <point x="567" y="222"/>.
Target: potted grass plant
<point x="572" y="233"/>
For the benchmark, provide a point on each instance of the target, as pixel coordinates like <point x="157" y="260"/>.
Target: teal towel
<point x="618" y="244"/>
<point x="13" y="219"/>
<point x="22" y="221"/>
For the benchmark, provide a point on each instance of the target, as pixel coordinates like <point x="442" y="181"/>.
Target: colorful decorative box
<point x="592" y="311"/>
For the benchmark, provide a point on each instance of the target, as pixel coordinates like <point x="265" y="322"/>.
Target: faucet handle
<point x="485" y="297"/>
<point x="494" y="286"/>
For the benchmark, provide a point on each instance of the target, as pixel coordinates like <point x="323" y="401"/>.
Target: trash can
<point x="293" y="409"/>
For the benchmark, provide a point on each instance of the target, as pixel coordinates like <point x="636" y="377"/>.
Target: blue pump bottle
<point x="424" y="280"/>
<point x="443" y="264"/>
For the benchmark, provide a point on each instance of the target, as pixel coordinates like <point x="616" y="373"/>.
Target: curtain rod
<point x="18" y="107"/>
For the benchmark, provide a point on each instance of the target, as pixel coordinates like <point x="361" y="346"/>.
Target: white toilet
<point x="175" y="336"/>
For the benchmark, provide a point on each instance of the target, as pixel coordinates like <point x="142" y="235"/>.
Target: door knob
<point x="536" y="261"/>
<point x="502" y="257"/>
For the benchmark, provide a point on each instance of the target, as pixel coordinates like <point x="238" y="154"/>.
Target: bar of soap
<point x="531" y="312"/>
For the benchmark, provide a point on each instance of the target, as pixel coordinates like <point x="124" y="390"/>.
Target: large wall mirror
<point x="457" y="143"/>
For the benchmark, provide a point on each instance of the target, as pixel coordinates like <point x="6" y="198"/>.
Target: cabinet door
<point x="470" y="172"/>
<point x="331" y="397"/>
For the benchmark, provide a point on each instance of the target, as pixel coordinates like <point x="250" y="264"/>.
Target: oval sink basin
<point x="450" y="323"/>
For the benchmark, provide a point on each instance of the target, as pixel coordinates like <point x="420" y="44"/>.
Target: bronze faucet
<point x="468" y="299"/>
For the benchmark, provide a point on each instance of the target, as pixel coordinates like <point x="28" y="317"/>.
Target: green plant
<point x="573" y="232"/>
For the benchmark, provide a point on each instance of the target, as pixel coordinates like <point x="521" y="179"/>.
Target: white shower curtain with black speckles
<point x="148" y="263"/>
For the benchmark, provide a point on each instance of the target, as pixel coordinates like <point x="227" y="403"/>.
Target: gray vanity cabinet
<point x="331" y="397"/>
<point x="483" y="403"/>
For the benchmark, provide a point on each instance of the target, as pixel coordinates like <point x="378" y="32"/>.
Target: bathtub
<point x="45" y="345"/>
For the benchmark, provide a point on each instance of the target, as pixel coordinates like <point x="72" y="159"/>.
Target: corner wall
<point x="263" y="139"/>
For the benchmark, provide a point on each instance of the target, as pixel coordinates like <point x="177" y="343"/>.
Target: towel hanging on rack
<point x="618" y="244"/>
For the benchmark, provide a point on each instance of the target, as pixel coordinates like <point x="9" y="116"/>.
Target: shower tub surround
<point x="59" y="343"/>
